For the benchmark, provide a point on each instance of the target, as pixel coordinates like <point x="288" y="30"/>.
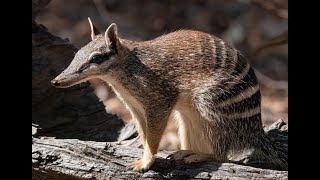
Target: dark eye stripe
<point x="99" y="58"/>
<point x="111" y="53"/>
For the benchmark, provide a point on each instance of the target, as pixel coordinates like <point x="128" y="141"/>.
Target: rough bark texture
<point x="76" y="159"/>
<point x="63" y="113"/>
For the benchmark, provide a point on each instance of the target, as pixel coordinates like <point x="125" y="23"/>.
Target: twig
<point x="270" y="83"/>
<point x="274" y="7"/>
<point x="276" y="41"/>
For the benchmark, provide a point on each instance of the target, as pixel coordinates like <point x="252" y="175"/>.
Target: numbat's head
<point x="94" y="59"/>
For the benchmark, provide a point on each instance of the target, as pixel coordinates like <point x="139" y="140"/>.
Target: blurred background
<point x="258" y="28"/>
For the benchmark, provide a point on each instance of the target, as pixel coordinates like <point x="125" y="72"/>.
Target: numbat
<point x="205" y="83"/>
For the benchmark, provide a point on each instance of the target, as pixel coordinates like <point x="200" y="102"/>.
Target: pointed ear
<point x="94" y="30"/>
<point x="111" y="36"/>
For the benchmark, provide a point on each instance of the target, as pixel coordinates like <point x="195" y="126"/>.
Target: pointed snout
<point x="76" y="73"/>
<point x="55" y="83"/>
<point x="67" y="80"/>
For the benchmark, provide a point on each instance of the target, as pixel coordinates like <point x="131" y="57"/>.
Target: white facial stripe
<point x="93" y="54"/>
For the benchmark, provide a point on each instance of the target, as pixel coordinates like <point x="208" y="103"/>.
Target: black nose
<point x="55" y="83"/>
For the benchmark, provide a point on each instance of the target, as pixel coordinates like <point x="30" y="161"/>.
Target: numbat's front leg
<point x="154" y="132"/>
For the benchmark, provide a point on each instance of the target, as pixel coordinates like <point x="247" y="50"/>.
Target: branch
<point x="275" y="7"/>
<point x="270" y="83"/>
<point x="280" y="39"/>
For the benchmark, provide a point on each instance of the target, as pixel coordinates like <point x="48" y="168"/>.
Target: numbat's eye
<point x="96" y="59"/>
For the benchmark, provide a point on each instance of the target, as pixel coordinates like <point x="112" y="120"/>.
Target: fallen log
<point x="77" y="159"/>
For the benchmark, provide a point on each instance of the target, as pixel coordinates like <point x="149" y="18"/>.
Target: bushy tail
<point x="274" y="152"/>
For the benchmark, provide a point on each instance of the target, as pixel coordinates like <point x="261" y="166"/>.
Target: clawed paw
<point x="141" y="165"/>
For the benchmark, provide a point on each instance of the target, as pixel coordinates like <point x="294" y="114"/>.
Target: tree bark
<point x="64" y="113"/>
<point x="76" y="159"/>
